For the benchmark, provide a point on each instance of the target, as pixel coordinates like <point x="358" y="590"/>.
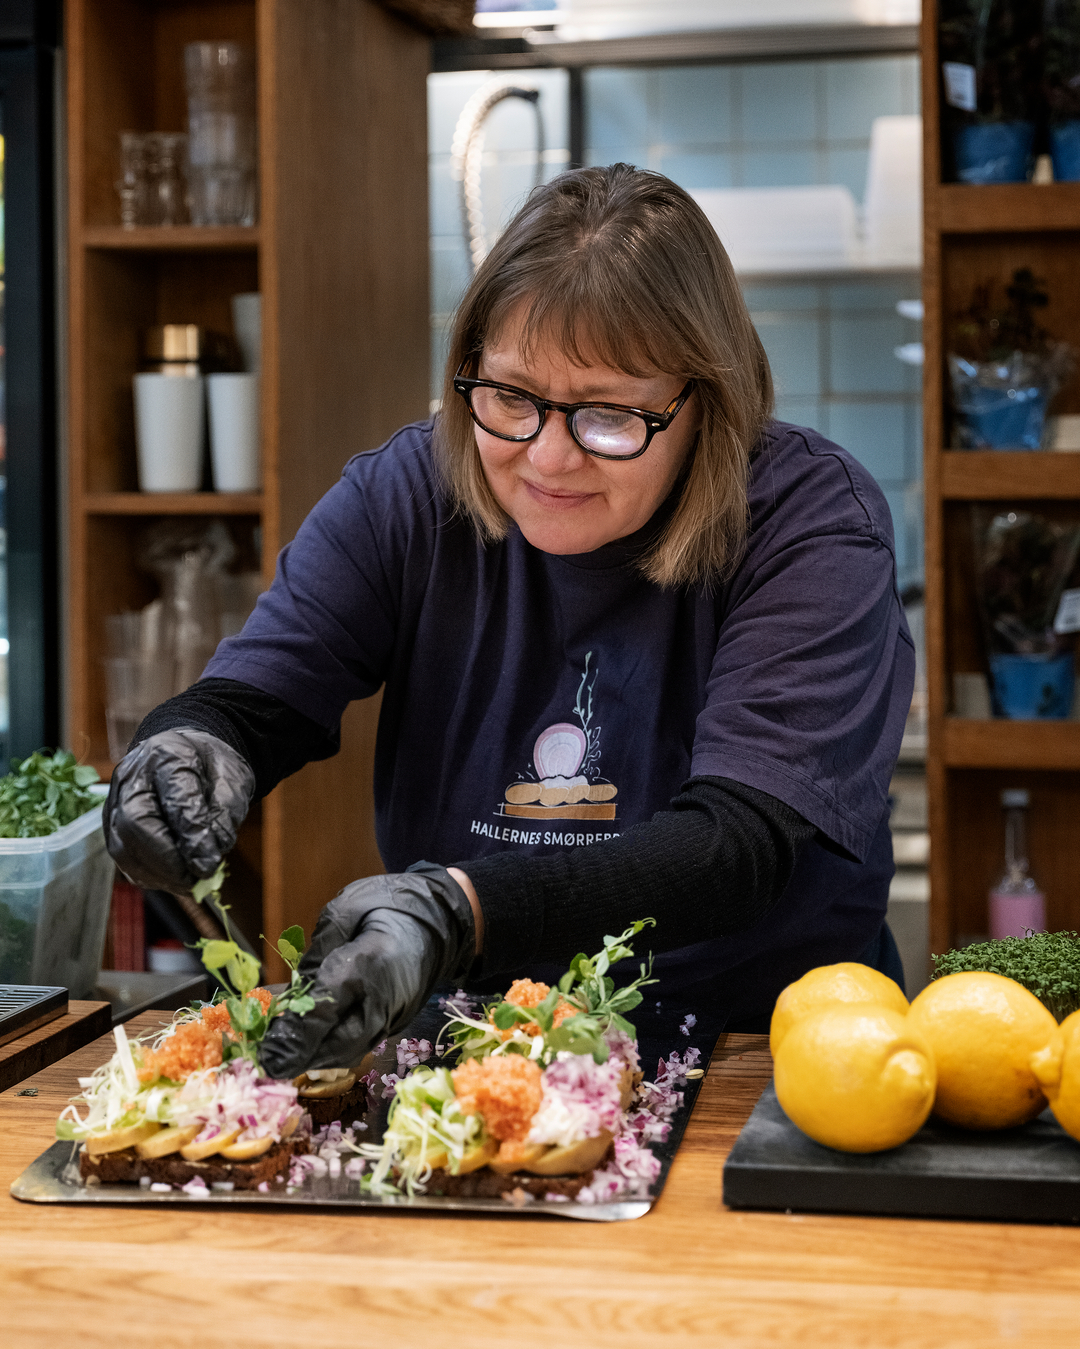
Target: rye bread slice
<point x="487" y="1184"/>
<point x="127" y="1168"/>
<point x="326" y="1109"/>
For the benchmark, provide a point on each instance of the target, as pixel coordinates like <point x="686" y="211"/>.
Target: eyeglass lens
<point x="504" y="413"/>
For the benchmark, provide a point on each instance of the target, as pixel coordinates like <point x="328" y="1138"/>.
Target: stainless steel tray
<point x="53" y="1179"/>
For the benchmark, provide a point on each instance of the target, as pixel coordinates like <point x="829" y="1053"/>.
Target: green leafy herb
<point x="238" y="971"/>
<point x="43" y="793"/>
<point x="211" y="886"/>
<point x="1046" y="963"/>
<point x="587" y="985"/>
<point x="290" y="945"/>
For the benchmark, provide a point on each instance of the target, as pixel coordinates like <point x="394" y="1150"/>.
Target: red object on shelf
<point x="127" y="926"/>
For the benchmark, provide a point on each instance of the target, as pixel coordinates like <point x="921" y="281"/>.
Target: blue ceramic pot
<point x="1065" y="151"/>
<point x="1004" y="419"/>
<point x="1029" y="687"/>
<point x="994" y="152"/>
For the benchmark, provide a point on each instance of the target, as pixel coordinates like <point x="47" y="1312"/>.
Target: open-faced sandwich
<point x="329" y="1094"/>
<point x="188" y="1107"/>
<point x="539" y="1101"/>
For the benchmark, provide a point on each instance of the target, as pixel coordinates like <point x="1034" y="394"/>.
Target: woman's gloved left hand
<point x="377" y="952"/>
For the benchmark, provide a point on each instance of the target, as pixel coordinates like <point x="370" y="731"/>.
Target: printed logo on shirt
<point x="567" y="783"/>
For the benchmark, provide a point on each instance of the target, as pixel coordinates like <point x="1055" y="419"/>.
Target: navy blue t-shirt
<point x="538" y="702"/>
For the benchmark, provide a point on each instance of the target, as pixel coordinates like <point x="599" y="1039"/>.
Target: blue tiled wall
<point x="775" y="124"/>
<point x="509" y="168"/>
<point x="759" y="125"/>
<point x="830" y="346"/>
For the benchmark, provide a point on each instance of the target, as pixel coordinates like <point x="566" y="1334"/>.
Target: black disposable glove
<point x="174" y="806"/>
<point x="377" y="952"/>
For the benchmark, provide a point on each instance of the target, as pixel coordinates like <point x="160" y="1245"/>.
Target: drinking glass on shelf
<point x="220" y="78"/>
<point x="170" y="195"/>
<point x="151" y="183"/>
<point x="133" y="184"/>
<point x="134" y="686"/>
<point x="139" y="673"/>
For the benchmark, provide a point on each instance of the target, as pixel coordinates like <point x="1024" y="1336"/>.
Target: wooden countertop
<point x="81" y="1024"/>
<point x="689" y="1273"/>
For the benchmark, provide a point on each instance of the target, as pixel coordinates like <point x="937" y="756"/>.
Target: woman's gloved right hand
<point x="174" y="807"/>
<point x="376" y="954"/>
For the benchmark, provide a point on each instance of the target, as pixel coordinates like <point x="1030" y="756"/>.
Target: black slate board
<point x="1030" y="1174"/>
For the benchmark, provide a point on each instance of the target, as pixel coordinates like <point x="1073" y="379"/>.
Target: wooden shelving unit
<point x="974" y="475"/>
<point x="974" y="234"/>
<point x="1005" y="206"/>
<point x="173" y="503"/>
<point x="173" y="238"/>
<point x="340" y="256"/>
<point x="967" y="743"/>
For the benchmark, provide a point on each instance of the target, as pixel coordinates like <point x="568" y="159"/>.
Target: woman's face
<point x="562" y="499"/>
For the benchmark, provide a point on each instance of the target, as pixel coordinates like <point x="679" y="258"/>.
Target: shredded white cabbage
<point x="216" y="1099"/>
<point x="424" y="1121"/>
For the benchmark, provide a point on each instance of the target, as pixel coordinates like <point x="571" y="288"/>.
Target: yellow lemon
<point x="830" y="984"/>
<point x="856" y="1077"/>
<point x="1057" y="1067"/>
<point x="983" y="1030"/>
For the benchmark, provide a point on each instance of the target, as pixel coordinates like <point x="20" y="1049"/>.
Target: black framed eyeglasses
<point x="606" y="430"/>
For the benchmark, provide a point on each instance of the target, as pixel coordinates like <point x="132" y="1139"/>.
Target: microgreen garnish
<point x="290" y="945"/>
<point x="587" y="986"/>
<point x="1046" y="963"/>
<point x="44" y="792"/>
<point x="238" y="971"/>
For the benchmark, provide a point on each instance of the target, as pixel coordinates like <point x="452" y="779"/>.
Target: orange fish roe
<point x="526" y="993"/>
<point x="217" y="1016"/>
<point x="505" y="1089"/>
<point x="191" y="1046"/>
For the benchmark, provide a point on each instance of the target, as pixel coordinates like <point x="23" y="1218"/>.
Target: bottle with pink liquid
<point x="1017" y="905"/>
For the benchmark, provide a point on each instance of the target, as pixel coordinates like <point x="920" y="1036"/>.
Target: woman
<point x="641" y="648"/>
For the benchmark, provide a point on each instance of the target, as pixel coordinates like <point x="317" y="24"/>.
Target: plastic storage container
<point x="54" y="905"/>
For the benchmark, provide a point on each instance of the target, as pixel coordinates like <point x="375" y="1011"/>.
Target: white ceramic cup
<point x="247" y="324"/>
<point x="169" y="421"/>
<point x="234" y="431"/>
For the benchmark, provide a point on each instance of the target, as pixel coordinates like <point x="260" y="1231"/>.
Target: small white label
<point x="959" y="85"/>
<point x="1068" y="612"/>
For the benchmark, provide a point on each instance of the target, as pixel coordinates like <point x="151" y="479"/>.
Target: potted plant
<point x="1005" y="368"/>
<point x="1061" y="84"/>
<point x="990" y="69"/>
<point x="1022" y="564"/>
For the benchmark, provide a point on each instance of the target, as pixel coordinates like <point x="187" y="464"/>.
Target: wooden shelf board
<point x="1053" y="745"/>
<point x="1005" y="207"/>
<point x="172" y="238"/>
<point x="987" y="475"/>
<point x="173" y="503"/>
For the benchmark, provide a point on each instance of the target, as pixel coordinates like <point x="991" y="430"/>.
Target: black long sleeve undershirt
<point x="273" y="738"/>
<point x="712" y="864"/>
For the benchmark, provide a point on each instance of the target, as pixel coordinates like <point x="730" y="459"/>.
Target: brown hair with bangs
<point x="618" y="266"/>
